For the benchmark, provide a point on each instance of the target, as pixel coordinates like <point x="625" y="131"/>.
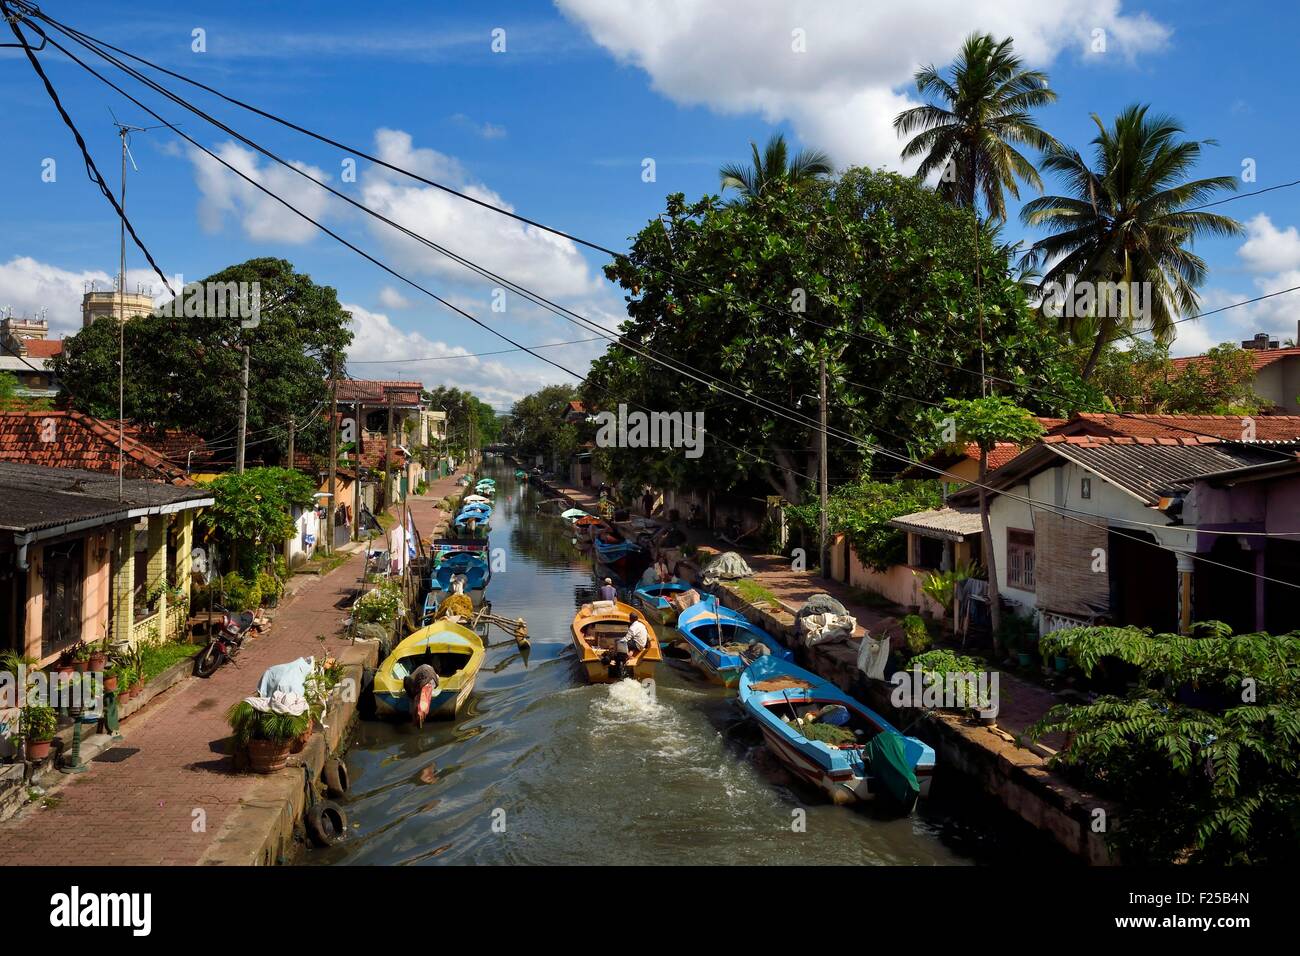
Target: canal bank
<point x="542" y="768"/>
<point x="167" y="792"/>
<point x="997" y="761"/>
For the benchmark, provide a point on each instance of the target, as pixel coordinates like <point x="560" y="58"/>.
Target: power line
<point x="612" y="335"/>
<point x="748" y="396"/>
<point x="444" y="358"/>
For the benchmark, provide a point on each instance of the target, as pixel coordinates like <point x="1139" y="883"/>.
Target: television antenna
<point x="124" y="131"/>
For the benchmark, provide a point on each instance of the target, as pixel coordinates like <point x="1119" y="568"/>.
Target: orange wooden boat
<point x="597" y="629"/>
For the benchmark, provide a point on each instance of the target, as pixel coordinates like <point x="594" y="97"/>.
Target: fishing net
<point x="459" y="605"/>
<point x="726" y="567"/>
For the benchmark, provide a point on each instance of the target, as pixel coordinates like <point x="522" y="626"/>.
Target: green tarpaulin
<point x="887" y="764"/>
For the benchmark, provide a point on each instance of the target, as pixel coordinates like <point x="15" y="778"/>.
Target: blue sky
<point x="558" y="125"/>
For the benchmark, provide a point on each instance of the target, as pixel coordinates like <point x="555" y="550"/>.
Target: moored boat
<point x="722" y="643"/>
<point x="626" y="559"/>
<point x="832" y="740"/>
<point x="453" y="651"/>
<point x="598" y="628"/>
<point x="657" y="600"/>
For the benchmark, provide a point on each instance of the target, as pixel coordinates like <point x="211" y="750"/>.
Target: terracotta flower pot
<point x="300" y="742"/>
<point x="268" y="756"/>
<point x="124" y="696"/>
<point x="38" y="749"/>
<point x="98" y="661"/>
<point x="110" y="683"/>
<point x="81" y="666"/>
<point x="137" y="687"/>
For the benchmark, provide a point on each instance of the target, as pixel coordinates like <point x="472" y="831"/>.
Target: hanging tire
<point x="208" y="661"/>
<point x="326" y="823"/>
<point x="366" y="694"/>
<point x="335" y="776"/>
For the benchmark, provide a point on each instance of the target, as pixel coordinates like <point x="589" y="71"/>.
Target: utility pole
<point x="825" y="559"/>
<point x="243" y="415"/>
<point x="334" y="451"/>
<point x="388" y="454"/>
<point x="356" y="471"/>
<point x="293" y="423"/>
<point x="122" y="131"/>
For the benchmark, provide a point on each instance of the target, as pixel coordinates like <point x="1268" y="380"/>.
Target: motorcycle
<point x="226" y="643"/>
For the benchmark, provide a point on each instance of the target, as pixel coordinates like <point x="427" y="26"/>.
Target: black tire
<point x="326" y="823"/>
<point x="335" y="776"/>
<point x="208" y="661"/>
<point x="366" y="693"/>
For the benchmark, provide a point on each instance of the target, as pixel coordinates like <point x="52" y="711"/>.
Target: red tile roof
<point x="1098" y="441"/>
<point x="1258" y="357"/>
<point x="1227" y="427"/>
<point x="378" y="391"/>
<point x="43" y="348"/>
<point x="69" y="439"/>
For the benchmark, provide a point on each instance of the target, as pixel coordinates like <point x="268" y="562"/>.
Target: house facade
<point x="81" y="561"/>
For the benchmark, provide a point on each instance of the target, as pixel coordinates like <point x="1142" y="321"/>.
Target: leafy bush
<point x="253" y="511"/>
<point x="249" y="723"/>
<point x="241" y="594"/>
<point x="383" y="605"/>
<point x="861" y="510"/>
<point x="37" y="723"/>
<point x="1203" y="754"/>
<point x="1019" y="632"/>
<point x="916" y="635"/>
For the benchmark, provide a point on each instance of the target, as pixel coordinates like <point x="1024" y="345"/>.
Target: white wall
<point x="1059" y="487"/>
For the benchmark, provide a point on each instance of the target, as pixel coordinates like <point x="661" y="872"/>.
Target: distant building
<point x="96" y="304"/>
<point x="25" y="353"/>
<point x="1277" y="372"/>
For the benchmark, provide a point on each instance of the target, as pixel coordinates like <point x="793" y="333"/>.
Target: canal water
<point x="542" y="768"/>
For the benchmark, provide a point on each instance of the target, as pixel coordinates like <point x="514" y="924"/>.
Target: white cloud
<point x="1269" y="249"/>
<point x="223" y="194"/>
<point x="27" y="286"/>
<point x="390" y="298"/>
<point x="736" y="56"/>
<point x="524" y="254"/>
<point x="382" y="350"/>
<point x="485" y="129"/>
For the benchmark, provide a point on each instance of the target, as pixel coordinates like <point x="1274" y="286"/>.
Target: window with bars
<point x="1020" y="559"/>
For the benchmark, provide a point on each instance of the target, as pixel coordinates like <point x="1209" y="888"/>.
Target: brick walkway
<point x="140" y="811"/>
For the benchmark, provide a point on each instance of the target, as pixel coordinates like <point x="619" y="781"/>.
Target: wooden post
<point x="825" y="491"/>
<point x="334" y="453"/>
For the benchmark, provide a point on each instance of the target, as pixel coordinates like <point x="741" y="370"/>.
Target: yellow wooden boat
<point x="597" y="629"/>
<point x="453" y="651"/>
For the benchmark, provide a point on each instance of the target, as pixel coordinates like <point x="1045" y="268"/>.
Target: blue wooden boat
<point x="721" y="641"/>
<point x="475" y="567"/>
<point x="477" y="509"/>
<point x="657" y="600"/>
<point x="626" y="559"/>
<point x="879" y="762"/>
<point x="473" y="521"/>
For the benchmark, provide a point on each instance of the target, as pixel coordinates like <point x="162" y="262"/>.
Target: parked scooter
<point x="226" y="643"/>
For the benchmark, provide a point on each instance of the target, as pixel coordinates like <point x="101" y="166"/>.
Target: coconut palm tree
<point x="970" y="139"/>
<point x="1128" y="220"/>
<point x="774" y="165"/>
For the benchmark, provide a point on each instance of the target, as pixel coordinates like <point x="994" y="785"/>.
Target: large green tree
<point x="184" y="370"/>
<point x="873" y="267"/>
<point x="1128" y="221"/>
<point x="774" y="165"/>
<point x="980" y="114"/>
<point x="537" y="423"/>
<point x="469" y="418"/>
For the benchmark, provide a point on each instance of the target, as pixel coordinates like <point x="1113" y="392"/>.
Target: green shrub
<point x="249" y="723"/>
<point x="916" y="635"/>
<point x="241" y="594"/>
<point x="383" y="605"/>
<point x="38" y="723"/>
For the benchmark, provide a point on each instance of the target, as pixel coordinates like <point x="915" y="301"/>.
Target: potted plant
<point x="267" y="728"/>
<point x="111" y="676"/>
<point x="37" y="724"/>
<point x="126" y="678"/>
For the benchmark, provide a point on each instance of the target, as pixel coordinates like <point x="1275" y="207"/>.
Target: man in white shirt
<point x="638" y="637"/>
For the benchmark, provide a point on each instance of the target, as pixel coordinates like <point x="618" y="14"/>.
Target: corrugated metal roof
<point x="33" y="497"/>
<point x="949" y="524"/>
<point x="1141" y="467"/>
